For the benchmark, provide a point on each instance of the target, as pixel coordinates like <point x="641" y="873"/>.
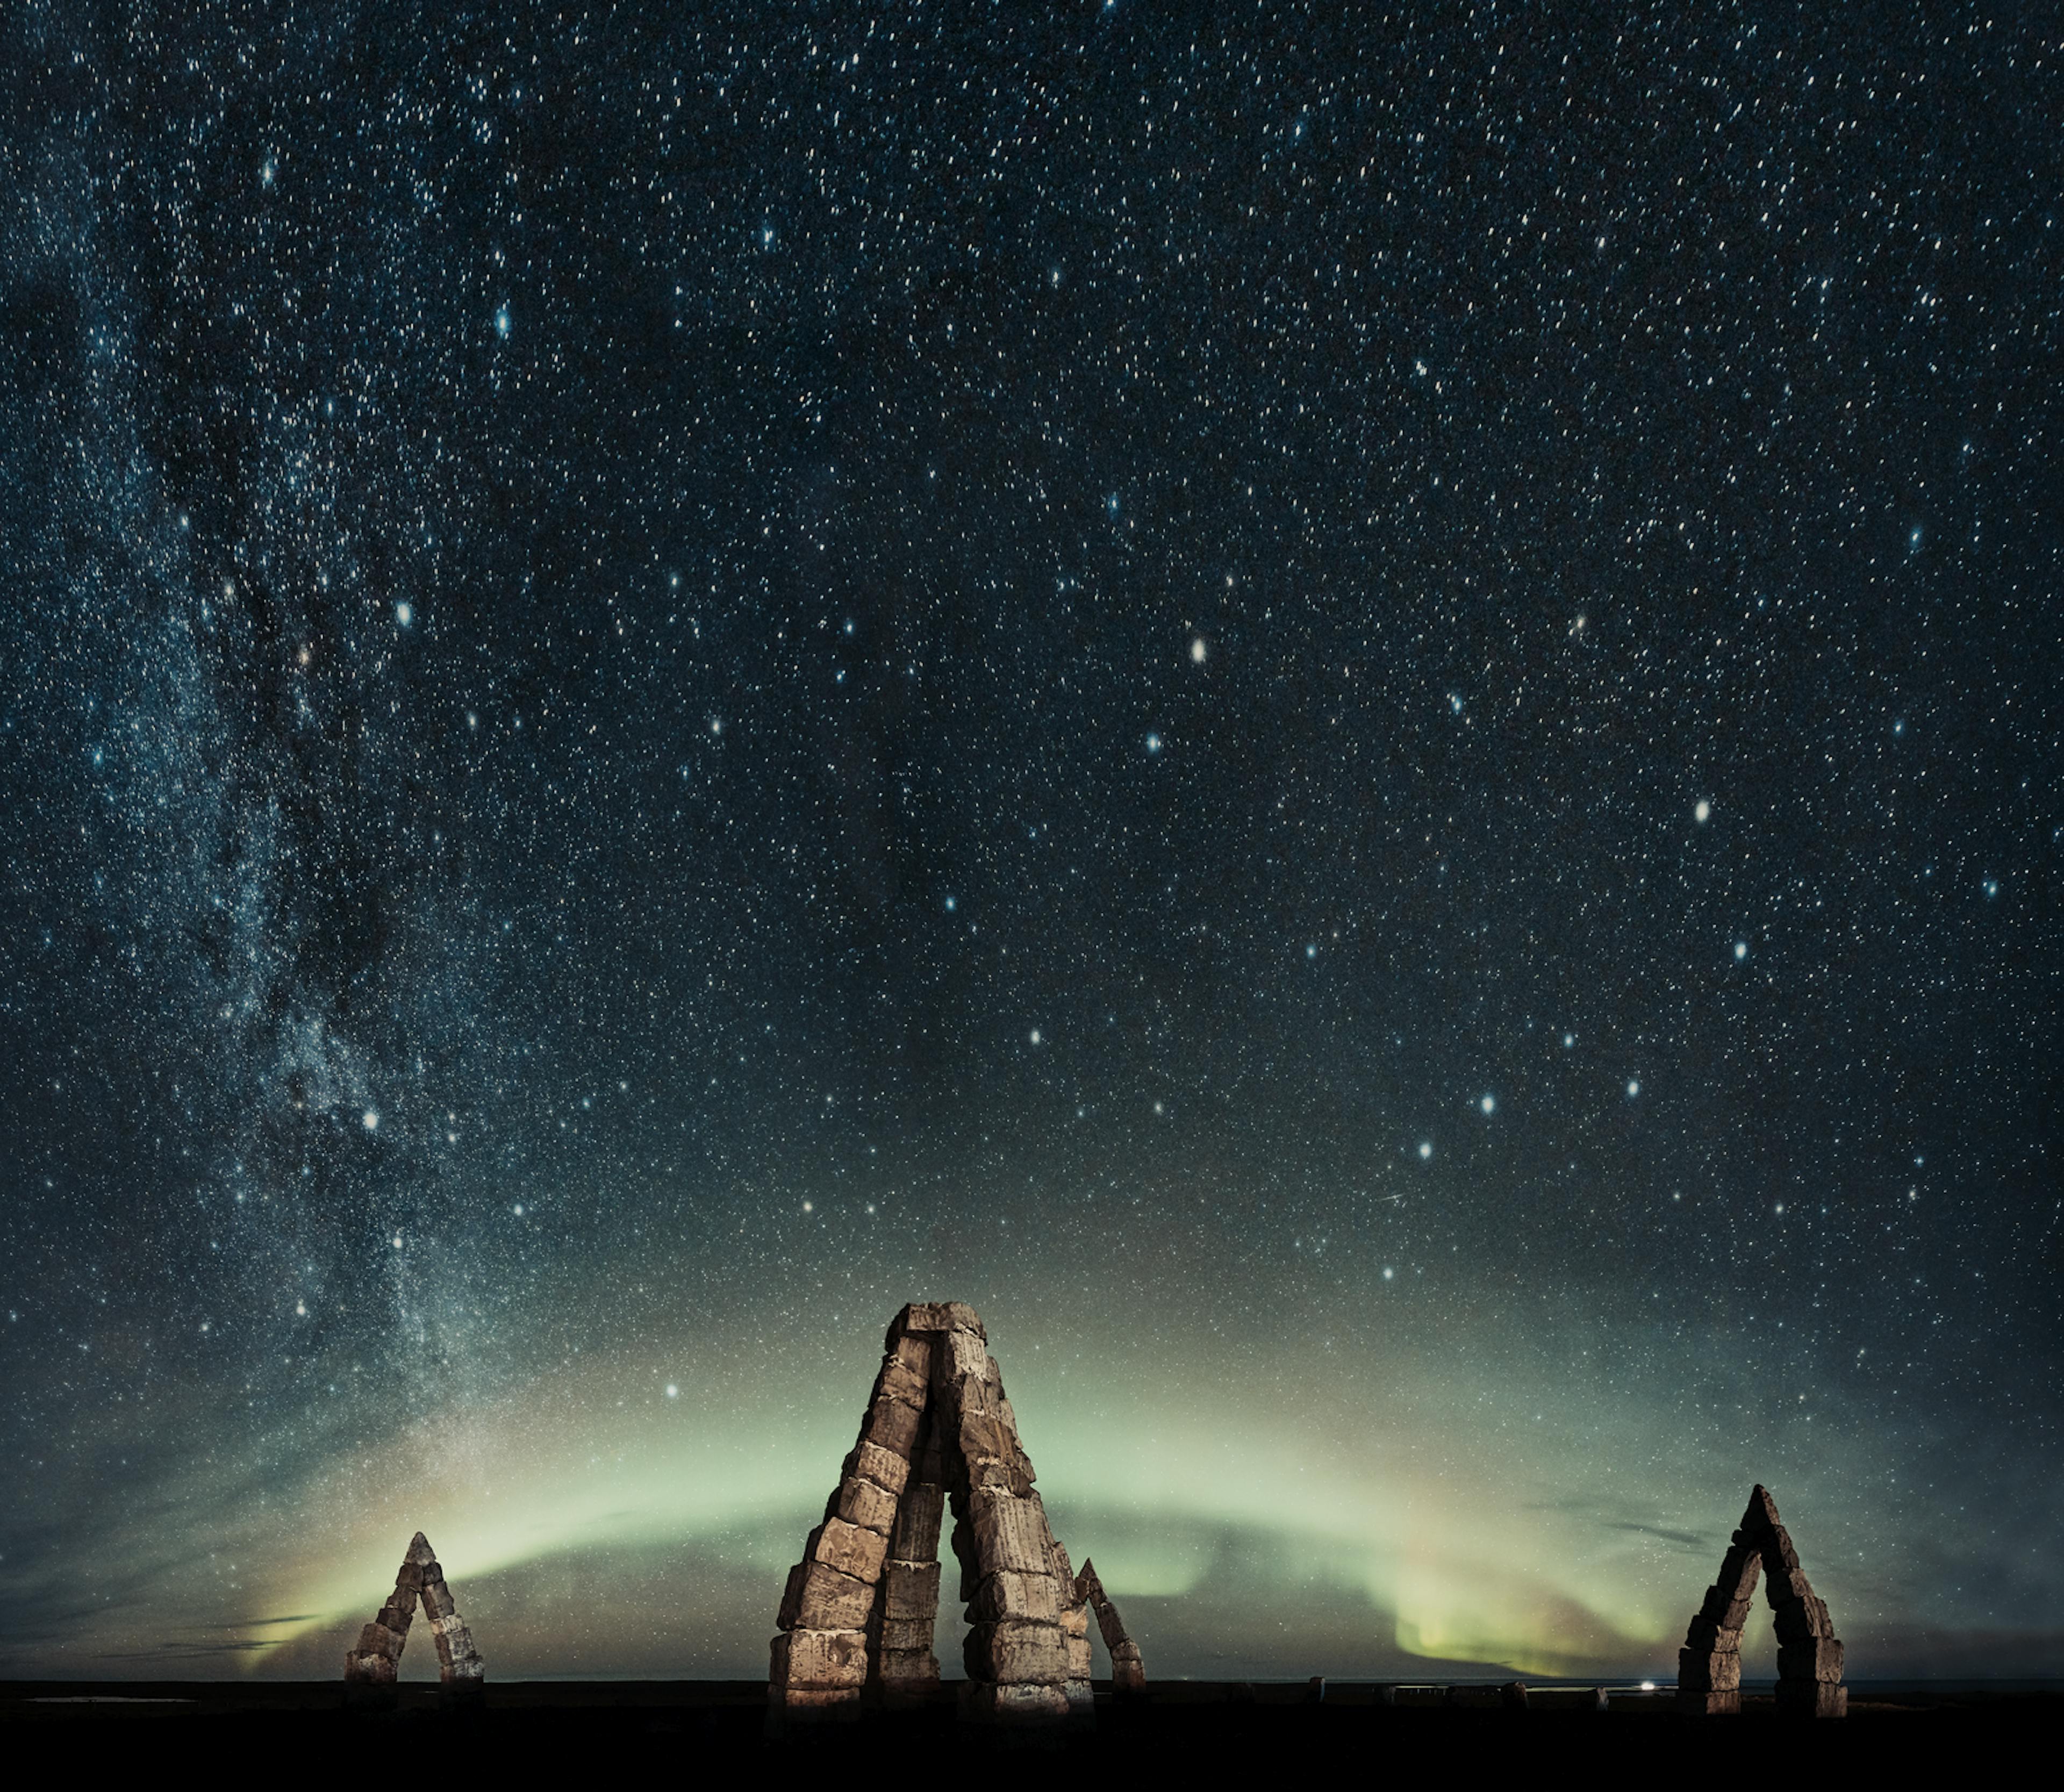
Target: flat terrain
<point x="1189" y="1724"/>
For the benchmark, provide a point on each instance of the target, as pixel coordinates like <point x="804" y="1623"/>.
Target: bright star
<point x="371" y="1119"/>
<point x="1425" y="1147"/>
<point x="1702" y="810"/>
<point x="1197" y="651"/>
<point x="1489" y="1104"/>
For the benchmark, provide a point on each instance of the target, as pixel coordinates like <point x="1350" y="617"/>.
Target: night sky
<point x="1358" y="722"/>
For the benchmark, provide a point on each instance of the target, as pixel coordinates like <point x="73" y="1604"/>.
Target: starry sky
<point x="1354" y="714"/>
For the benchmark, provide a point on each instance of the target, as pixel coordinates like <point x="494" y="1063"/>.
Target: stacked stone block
<point x="1809" y="1656"/>
<point x="1128" y="1675"/>
<point x="377" y="1661"/>
<point x="859" y="1615"/>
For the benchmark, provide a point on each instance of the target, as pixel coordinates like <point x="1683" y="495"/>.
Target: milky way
<point x="1361" y="724"/>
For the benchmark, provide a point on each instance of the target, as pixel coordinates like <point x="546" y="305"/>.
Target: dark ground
<point x="700" y="1726"/>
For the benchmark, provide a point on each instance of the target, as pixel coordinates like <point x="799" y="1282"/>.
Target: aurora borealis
<point x="1357" y="720"/>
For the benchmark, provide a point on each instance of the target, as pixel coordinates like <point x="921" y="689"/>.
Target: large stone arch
<point x="377" y="1658"/>
<point x="858" y="1616"/>
<point x="1809" y="1654"/>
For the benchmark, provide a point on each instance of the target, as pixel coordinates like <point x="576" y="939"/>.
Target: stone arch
<point x="1127" y="1675"/>
<point x="377" y="1658"/>
<point x="1809" y="1654"/>
<point x="858" y="1616"/>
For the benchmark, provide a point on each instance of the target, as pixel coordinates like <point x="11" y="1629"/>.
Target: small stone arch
<point x="858" y="1616"/>
<point x="376" y="1660"/>
<point x="1128" y="1677"/>
<point x="1809" y="1654"/>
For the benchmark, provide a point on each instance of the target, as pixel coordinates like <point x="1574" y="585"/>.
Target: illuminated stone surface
<point x="377" y="1659"/>
<point x="858" y="1615"/>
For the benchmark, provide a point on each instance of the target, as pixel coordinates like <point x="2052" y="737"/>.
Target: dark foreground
<point x="701" y="1726"/>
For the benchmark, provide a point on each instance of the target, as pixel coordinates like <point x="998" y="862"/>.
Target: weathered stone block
<point x="1128" y="1674"/>
<point x="1812" y="1698"/>
<point x="1709" y="1704"/>
<point x="830" y="1600"/>
<point x="892" y="1426"/>
<point x="1009" y="1531"/>
<point x="909" y="1667"/>
<point x="960" y="1356"/>
<point x="814" y="1704"/>
<point x="919" y="1519"/>
<point x="791" y="1610"/>
<point x="945" y="1315"/>
<point x="1017" y="1702"/>
<point x="910" y="1590"/>
<point x="865" y="1505"/>
<point x="1818" y="1659"/>
<point x="378" y="1639"/>
<point x="886" y="1468"/>
<point x="851" y="1550"/>
<point x="914" y="1352"/>
<point x="898" y="1381"/>
<point x="900" y="1635"/>
<point x="437" y="1601"/>
<point x="1718" y="1670"/>
<point x="1011" y="1594"/>
<point x="819" y="1659"/>
<point x="1798" y="1621"/>
<point x="1704" y="1635"/>
<point x="1017" y="1650"/>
